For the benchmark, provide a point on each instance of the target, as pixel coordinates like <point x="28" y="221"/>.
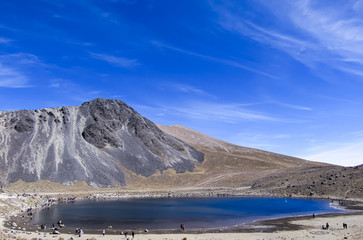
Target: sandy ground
<point x="312" y="231"/>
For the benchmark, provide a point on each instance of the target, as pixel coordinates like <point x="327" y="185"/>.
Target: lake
<point x="169" y="213"/>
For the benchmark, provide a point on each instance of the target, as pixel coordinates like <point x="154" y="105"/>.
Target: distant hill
<point x="230" y="165"/>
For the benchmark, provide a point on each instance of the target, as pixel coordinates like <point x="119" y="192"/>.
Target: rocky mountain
<point x="106" y="143"/>
<point x="95" y="142"/>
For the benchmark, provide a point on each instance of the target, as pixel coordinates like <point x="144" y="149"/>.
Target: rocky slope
<point x="322" y="181"/>
<point x="95" y="142"/>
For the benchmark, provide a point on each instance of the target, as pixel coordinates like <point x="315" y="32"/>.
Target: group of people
<point x="326" y="227"/>
<point x="79" y="232"/>
<point x="126" y="233"/>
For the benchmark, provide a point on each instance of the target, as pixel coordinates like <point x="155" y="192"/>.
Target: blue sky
<point x="283" y="76"/>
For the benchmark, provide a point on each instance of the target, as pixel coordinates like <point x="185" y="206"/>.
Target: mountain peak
<point x="94" y="142"/>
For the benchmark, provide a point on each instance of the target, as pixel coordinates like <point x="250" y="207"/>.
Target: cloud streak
<point x="5" y="40"/>
<point x="116" y="61"/>
<point x="227" y="113"/>
<point x="214" y="59"/>
<point x="292" y="106"/>
<point x="185" y="88"/>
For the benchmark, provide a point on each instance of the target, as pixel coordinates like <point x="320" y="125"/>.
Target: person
<point x="327" y="226"/>
<point x="133" y="234"/>
<point x="182" y="226"/>
<point x="80" y="232"/>
<point x="103" y="232"/>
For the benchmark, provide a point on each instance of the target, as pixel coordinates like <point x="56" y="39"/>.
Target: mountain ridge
<point x="106" y="143"/>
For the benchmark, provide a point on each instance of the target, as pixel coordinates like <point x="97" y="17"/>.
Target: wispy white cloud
<point x="357" y="133"/>
<point x="108" y="16"/>
<point x="8" y="28"/>
<point x="337" y="29"/>
<point x="95" y="92"/>
<point x="233" y="22"/>
<point x="79" y="43"/>
<point x="21" y="59"/>
<point x="227" y="113"/>
<point x="5" y="40"/>
<point x="12" y="78"/>
<point x="321" y="33"/>
<point x="14" y="69"/>
<point x="209" y="111"/>
<point x="61" y="84"/>
<point x="341" y="100"/>
<point x="214" y="59"/>
<point x="117" y="61"/>
<point x="292" y="106"/>
<point x="185" y="88"/>
<point x="269" y="142"/>
<point x="282" y="136"/>
<point x="74" y="91"/>
<point x="350" y="154"/>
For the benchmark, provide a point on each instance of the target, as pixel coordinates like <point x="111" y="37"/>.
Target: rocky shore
<point x="16" y="213"/>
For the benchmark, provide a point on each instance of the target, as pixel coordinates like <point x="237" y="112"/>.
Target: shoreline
<point x="289" y="228"/>
<point x="267" y="226"/>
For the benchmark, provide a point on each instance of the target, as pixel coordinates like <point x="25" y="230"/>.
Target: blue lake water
<point x="169" y="213"/>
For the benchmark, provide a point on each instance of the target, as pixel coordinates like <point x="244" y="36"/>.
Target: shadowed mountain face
<point x="95" y="142"/>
